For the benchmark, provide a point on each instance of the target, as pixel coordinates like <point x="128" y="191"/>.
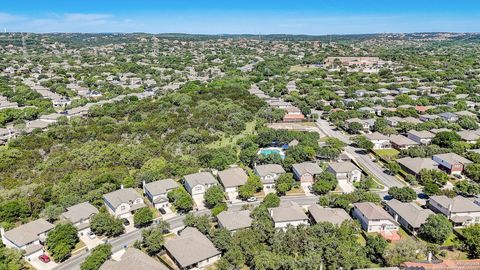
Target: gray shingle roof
<point x="372" y="211"/>
<point x="190" y="247"/>
<point x="422" y="134"/>
<point x="417" y="164"/>
<point x="333" y="215"/>
<point x="79" y="212"/>
<point x="342" y="167"/>
<point x="235" y="220"/>
<point x="134" y="259"/>
<point x="376" y="136"/>
<point x="233" y="177"/>
<point x="307" y="167"/>
<point x="410" y="212"/>
<point x="28" y="232"/>
<point x="201" y="178"/>
<point x="117" y="197"/>
<point x="453" y="158"/>
<point x="161" y="186"/>
<point x="402" y="140"/>
<point x="287" y="211"/>
<point x="264" y="170"/>
<point x="458" y="204"/>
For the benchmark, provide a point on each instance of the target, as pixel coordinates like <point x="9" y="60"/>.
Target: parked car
<point x="252" y="199"/>
<point x="126" y="222"/>
<point x="44" y="258"/>
<point x="92" y="235"/>
<point x="162" y="211"/>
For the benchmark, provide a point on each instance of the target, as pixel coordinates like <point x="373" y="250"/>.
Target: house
<point x="156" y="192"/>
<point x="460" y="210"/>
<point x="288" y="213"/>
<point x="345" y="171"/>
<point x="469" y="136"/>
<point x="421" y="137"/>
<point x="28" y="237"/>
<point x="268" y="173"/>
<point x="79" y="215"/>
<point x="449" y="117"/>
<point x="191" y="250"/>
<point x="305" y="172"/>
<point x="401" y="142"/>
<point x="133" y="259"/>
<point x="365" y="124"/>
<point x="453" y="163"/>
<point x="373" y="218"/>
<point x="415" y="165"/>
<point x="197" y="184"/>
<point x="293" y="117"/>
<point x="232" y="178"/>
<point x="409" y="215"/>
<point x="123" y="203"/>
<point x="379" y="140"/>
<point x="335" y="216"/>
<point x="234" y="220"/>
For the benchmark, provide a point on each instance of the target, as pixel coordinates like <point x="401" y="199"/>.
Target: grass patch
<point x="386" y="154"/>
<point x="302" y="68"/>
<point x="451" y="240"/>
<point x="232" y="140"/>
<point x="361" y="240"/>
<point x="295" y="191"/>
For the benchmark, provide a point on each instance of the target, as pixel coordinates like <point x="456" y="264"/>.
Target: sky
<point x="312" y="17"/>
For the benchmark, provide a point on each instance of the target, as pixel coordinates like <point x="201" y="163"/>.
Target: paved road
<point x="362" y="159"/>
<point x="175" y="223"/>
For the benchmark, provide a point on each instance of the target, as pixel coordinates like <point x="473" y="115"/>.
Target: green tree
<point x="152" y="240"/>
<point x="473" y="172"/>
<point x="403" y="251"/>
<point x="467" y="188"/>
<point x="355" y="128"/>
<point x="284" y="183"/>
<point x="446" y="139"/>
<point x="324" y="183"/>
<point x="467" y="122"/>
<point x="376" y="246"/>
<point x="201" y="222"/>
<point x="271" y="200"/>
<point x="180" y="199"/>
<point x="403" y="194"/>
<point x="471" y="236"/>
<point x="214" y="196"/>
<point x="436" y="229"/>
<point x="61" y="241"/>
<point x="393" y="167"/>
<point x="363" y="142"/>
<point x="105" y="224"/>
<point x="143" y="217"/>
<point x="11" y="259"/>
<point x="97" y="257"/>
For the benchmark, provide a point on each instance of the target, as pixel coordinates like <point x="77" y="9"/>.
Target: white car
<point x="92" y="235"/>
<point x="252" y="199"/>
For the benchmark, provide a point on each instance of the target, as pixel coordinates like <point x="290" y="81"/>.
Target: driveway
<point x="346" y="187"/>
<point x="130" y="227"/>
<point x="39" y="265"/>
<point x="233" y="197"/>
<point x="199" y="202"/>
<point x="306" y="189"/>
<point x="91" y="243"/>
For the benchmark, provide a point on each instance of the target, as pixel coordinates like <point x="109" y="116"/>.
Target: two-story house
<point x="451" y="162"/>
<point x="379" y="140"/>
<point x="268" y="174"/>
<point x="197" y="183"/>
<point x="345" y="171"/>
<point x="305" y="172"/>
<point x="374" y="218"/>
<point x="422" y="137"/>
<point x="79" y="215"/>
<point x="460" y="210"/>
<point x="409" y="215"/>
<point x="156" y="192"/>
<point x="28" y="237"/>
<point x="123" y="203"/>
<point x="288" y="213"/>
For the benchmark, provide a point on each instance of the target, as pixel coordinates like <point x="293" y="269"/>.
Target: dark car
<point x="44" y="258"/>
<point x="126" y="222"/>
<point x="162" y="211"/>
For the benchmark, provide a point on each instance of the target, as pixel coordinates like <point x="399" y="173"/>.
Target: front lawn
<point x="386" y="154"/>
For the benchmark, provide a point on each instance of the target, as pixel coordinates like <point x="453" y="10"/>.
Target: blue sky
<point x="315" y="17"/>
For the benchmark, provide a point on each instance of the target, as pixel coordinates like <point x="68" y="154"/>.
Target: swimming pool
<point x="271" y="151"/>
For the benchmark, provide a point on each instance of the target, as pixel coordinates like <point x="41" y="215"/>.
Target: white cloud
<point x="6" y="17"/>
